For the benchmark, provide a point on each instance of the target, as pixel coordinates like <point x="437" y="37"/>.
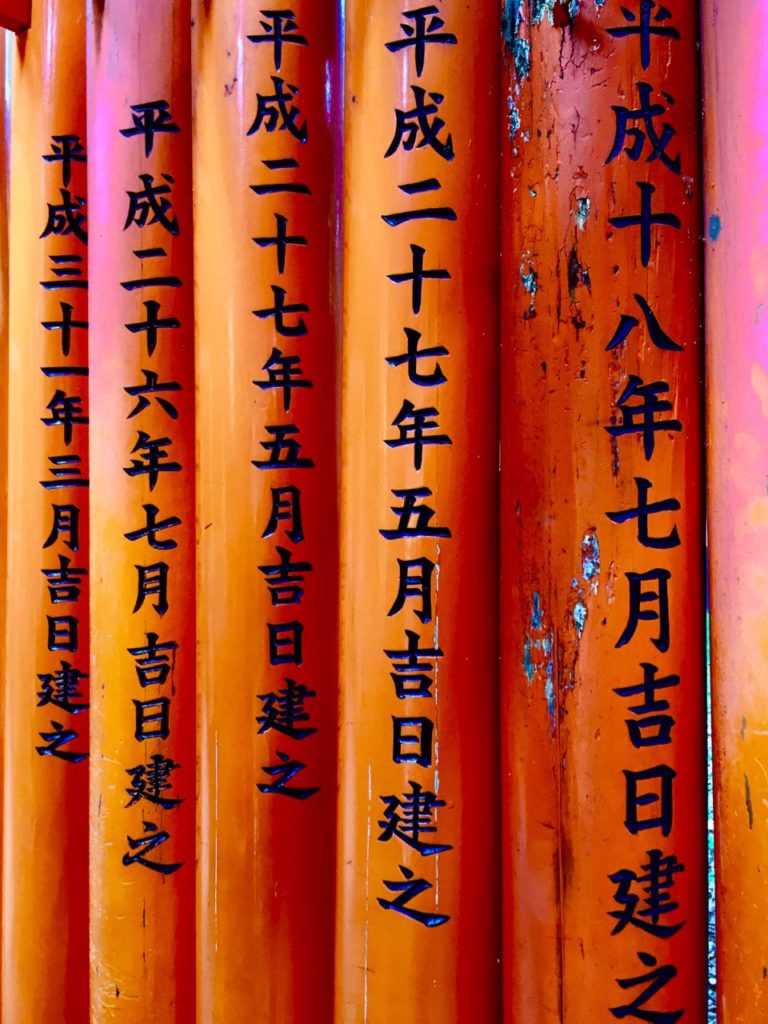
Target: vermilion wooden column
<point x="736" y="218"/>
<point x="45" y="675"/>
<point x="417" y="925"/>
<point x="602" y="507"/>
<point x="143" y="515"/>
<point x="268" y="569"/>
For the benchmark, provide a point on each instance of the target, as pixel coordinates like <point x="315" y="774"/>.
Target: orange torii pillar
<point x="736" y="222"/>
<point x="143" y="514"/>
<point x="45" y="672"/>
<point x="417" y="924"/>
<point x="268" y="567"/>
<point x="603" y="685"/>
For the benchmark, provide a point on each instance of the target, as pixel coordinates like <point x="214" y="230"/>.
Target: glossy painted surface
<point x="392" y="966"/>
<point x="267" y="715"/>
<point x="45" y="803"/>
<point x="569" y="277"/>
<point x="143" y="917"/>
<point x="735" y="67"/>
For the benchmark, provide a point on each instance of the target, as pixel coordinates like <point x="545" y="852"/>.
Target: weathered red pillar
<point x="602" y="515"/>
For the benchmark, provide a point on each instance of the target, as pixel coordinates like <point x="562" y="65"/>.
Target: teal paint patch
<point x="530" y="281"/>
<point x="540" y="8"/>
<point x="715" y="227"/>
<point x="510" y="29"/>
<point x="528" y="665"/>
<point x="536" y="612"/>
<point x="573" y="8"/>
<point x="580" y="616"/>
<point x="582" y="212"/>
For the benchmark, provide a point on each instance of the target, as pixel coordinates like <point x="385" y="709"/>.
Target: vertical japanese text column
<point x="417" y="925"/>
<point x="735" y="65"/>
<point x="143" y="472"/>
<point x="267" y="570"/>
<point x="603" y="686"/>
<point x="45" y="676"/>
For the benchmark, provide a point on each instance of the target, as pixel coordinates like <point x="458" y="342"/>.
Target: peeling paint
<point x="580" y="616"/>
<point x="532" y="193"/>
<point x="538" y="658"/>
<point x="589" y="581"/>
<point x="519" y="48"/>
<point x="715" y="227"/>
<point x="590" y="559"/>
<point x="582" y="212"/>
<point x="513" y="118"/>
<point x="536" y="613"/>
<point x="530" y="281"/>
<point x="541" y="7"/>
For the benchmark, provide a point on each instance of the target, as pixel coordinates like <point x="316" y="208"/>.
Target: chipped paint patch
<point x="519" y="47"/>
<point x="582" y="212"/>
<point x="513" y="118"/>
<point x="589" y="581"/>
<point x="540" y="8"/>
<point x="580" y="616"/>
<point x="573" y="8"/>
<point x="590" y="559"/>
<point x="538" y="658"/>
<point x="715" y="227"/>
<point x="530" y="280"/>
<point x="536" y="612"/>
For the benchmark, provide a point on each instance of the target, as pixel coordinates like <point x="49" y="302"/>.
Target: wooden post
<point x="45" y="677"/>
<point x="736" y="221"/>
<point x="603" y="604"/>
<point x="143" y="514"/>
<point x="417" y="925"/>
<point x="267" y="601"/>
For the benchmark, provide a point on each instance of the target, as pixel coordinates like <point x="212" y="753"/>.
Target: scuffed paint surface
<point x="538" y="658"/>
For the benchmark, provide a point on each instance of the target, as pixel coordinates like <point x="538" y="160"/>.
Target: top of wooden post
<point x="15" y="15"/>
